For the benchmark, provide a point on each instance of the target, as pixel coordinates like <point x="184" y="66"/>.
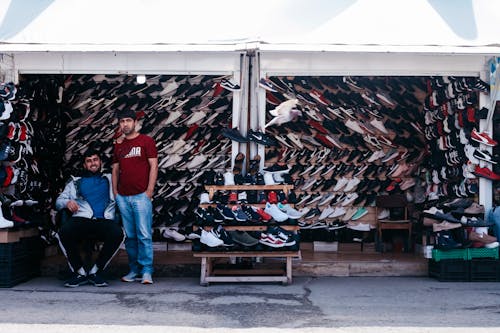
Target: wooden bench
<point x="209" y="274"/>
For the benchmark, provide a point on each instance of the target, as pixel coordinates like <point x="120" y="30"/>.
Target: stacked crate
<point x="20" y="254"/>
<point x="474" y="264"/>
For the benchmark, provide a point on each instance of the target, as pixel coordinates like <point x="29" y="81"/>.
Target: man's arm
<point x="115" y="169"/>
<point x="66" y="199"/>
<point x="153" y="174"/>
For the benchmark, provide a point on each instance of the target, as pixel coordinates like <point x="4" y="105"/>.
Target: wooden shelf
<point x="246" y="275"/>
<point x="283" y="275"/>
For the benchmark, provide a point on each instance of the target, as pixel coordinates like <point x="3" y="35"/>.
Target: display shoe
<point x="445" y="225"/>
<point x="275" y="212"/>
<point x="482" y="137"/>
<point x="210" y="239"/>
<point x="481" y="237"/>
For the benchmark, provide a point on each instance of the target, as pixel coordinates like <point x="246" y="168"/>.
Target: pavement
<point x="323" y="304"/>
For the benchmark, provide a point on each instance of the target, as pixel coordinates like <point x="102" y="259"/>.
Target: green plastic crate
<point x="482" y="252"/>
<point x="438" y="255"/>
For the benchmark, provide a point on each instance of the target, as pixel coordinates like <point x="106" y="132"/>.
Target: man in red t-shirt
<point x="135" y="169"/>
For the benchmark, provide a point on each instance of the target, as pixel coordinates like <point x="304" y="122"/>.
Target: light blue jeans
<point x="494" y="216"/>
<point x="137" y="215"/>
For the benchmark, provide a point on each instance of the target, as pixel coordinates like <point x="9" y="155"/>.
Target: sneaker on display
<point x="229" y="85"/>
<point x="482" y="137"/>
<point x="172" y="233"/>
<point x="229" y="178"/>
<point x="210" y="239"/>
<point x="275" y="212"/>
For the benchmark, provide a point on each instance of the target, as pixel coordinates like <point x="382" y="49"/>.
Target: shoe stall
<point x="274" y="145"/>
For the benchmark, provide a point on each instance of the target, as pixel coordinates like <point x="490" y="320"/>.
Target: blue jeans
<point x="494" y="216"/>
<point x="137" y="215"/>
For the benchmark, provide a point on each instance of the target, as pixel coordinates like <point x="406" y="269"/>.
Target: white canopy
<point x="442" y="26"/>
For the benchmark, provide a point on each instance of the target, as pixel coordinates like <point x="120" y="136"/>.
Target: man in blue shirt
<point x="91" y="201"/>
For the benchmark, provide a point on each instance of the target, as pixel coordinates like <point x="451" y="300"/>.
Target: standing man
<point x="91" y="202"/>
<point x="135" y="168"/>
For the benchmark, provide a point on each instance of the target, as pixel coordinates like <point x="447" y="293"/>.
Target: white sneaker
<point x="205" y="198"/>
<point x="4" y="223"/>
<point x="209" y="239"/>
<point x="379" y="125"/>
<point x="275" y="212"/>
<point x="376" y="156"/>
<point x="171" y="233"/>
<point x="326" y="213"/>
<point x="196" y="117"/>
<point x="340" y="184"/>
<point x="338" y="211"/>
<point x="352" y="184"/>
<point x="291" y="212"/>
<point x="354" y="126"/>
<point x="349" y="213"/>
<point x="384" y="213"/>
<point x="172" y="117"/>
<point x="172" y="160"/>
<point x="242" y="196"/>
<point x="349" y="199"/>
<point x="176" y="146"/>
<point x="268" y="179"/>
<point x="295" y="139"/>
<point x="196" y="161"/>
<point x="228" y="178"/>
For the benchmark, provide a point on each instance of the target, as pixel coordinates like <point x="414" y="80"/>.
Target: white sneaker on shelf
<point x="209" y="239"/>
<point x="275" y="212"/>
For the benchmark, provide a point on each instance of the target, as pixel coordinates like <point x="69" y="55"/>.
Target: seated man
<point x="90" y="198"/>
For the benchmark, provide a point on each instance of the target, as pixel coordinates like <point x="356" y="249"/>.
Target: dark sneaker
<point x="97" y="280"/>
<point x="261" y="138"/>
<point x="229" y="85"/>
<point x="76" y="281"/>
<point x="277" y="168"/>
<point x="234" y="134"/>
<point x="243" y="238"/>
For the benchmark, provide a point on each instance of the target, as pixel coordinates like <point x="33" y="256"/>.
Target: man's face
<point x="92" y="163"/>
<point x="127" y="125"/>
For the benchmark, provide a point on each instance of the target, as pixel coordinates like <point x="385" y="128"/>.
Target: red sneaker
<point x="319" y="97"/>
<point x="486" y="173"/>
<point x="272" y="197"/>
<point x="316" y="125"/>
<point x="233" y="197"/>
<point x="483" y="138"/>
<point x="263" y="215"/>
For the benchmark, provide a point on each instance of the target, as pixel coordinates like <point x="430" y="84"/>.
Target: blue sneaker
<point x="130" y="277"/>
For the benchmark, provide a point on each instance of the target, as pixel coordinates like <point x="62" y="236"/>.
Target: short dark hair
<point x="127" y="113"/>
<point x="90" y="152"/>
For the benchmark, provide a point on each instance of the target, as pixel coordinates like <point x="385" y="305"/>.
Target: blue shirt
<point x="95" y="190"/>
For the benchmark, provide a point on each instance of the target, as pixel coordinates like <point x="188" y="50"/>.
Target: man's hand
<point x="72" y="206"/>
<point x="149" y="193"/>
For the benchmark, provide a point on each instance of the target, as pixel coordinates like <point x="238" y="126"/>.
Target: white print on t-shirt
<point x="134" y="152"/>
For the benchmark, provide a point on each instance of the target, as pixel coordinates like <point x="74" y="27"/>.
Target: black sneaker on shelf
<point x="259" y="179"/>
<point x="234" y="134"/>
<point x="97" y="280"/>
<point x="262" y="139"/>
<point x="277" y="168"/>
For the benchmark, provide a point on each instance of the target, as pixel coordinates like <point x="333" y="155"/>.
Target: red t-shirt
<point x="132" y="156"/>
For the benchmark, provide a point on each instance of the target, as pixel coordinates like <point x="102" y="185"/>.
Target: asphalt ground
<point x="325" y="304"/>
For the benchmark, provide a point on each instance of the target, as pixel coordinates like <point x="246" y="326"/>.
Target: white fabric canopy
<point x="157" y="25"/>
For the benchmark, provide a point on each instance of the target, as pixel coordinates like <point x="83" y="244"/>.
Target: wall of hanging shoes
<point x="345" y="140"/>
<point x="21" y="193"/>
<point x="339" y="140"/>
<point x="185" y="114"/>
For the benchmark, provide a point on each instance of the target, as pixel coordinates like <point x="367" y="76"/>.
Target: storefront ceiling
<point x="427" y="26"/>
